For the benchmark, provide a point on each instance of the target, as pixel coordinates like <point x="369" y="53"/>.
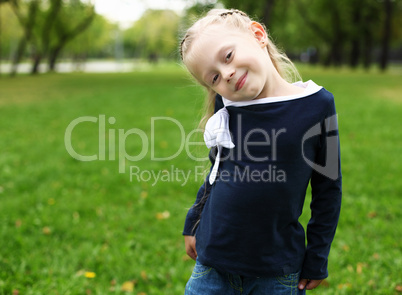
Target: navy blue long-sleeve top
<point x="249" y="224"/>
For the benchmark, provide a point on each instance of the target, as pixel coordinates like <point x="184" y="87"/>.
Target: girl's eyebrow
<point x="220" y="53"/>
<point x="223" y="49"/>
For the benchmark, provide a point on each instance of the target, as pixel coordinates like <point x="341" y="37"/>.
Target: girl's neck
<point x="280" y="87"/>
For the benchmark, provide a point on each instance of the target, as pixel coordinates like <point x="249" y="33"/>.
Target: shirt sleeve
<point x="326" y="188"/>
<point x="194" y="212"/>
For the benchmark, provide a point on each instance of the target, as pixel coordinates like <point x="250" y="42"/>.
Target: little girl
<point x="269" y="139"/>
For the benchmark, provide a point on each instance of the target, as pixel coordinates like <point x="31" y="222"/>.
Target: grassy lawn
<point x="81" y="227"/>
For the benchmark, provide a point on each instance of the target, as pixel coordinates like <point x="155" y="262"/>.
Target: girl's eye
<point x="215" y="79"/>
<point x="228" y="56"/>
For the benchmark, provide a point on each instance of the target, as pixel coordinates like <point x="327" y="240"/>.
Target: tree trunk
<point x="337" y="53"/>
<point x="1" y="27"/>
<point x="36" y="62"/>
<point x="0" y="38"/>
<point x="338" y="39"/>
<point x="319" y="31"/>
<point x="266" y="18"/>
<point x="367" y="45"/>
<point x="27" y="25"/>
<point x="355" y="53"/>
<point x="386" y="35"/>
<point x="355" y="50"/>
<point x="64" y="37"/>
<point x="18" y="55"/>
<point x="47" y="27"/>
<point x="53" y="55"/>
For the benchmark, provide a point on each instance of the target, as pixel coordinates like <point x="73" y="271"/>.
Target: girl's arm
<point x="189" y="242"/>
<point x="195" y="211"/>
<point x="308" y="284"/>
<point x="325" y="205"/>
<point x="192" y="219"/>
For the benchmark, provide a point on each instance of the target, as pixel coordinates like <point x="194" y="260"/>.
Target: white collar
<point x="309" y="88"/>
<point x="217" y="131"/>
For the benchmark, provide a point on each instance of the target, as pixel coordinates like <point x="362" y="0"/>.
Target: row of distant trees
<point x="353" y="32"/>
<point x="41" y="29"/>
<point x="337" y="32"/>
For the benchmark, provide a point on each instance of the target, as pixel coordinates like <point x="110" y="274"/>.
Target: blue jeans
<point x="206" y="280"/>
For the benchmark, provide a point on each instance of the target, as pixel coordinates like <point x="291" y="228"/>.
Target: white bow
<point x="217" y="134"/>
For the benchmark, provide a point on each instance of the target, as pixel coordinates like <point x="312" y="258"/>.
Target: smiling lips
<point x="241" y="81"/>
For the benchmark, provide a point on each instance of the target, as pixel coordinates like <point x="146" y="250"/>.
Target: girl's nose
<point x="230" y="75"/>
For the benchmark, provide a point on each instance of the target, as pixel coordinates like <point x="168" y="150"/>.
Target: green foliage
<point x="96" y="41"/>
<point x="10" y="33"/>
<point x="47" y="27"/>
<point x="343" y="31"/>
<point x="156" y="32"/>
<point x="61" y="220"/>
<point x="193" y="13"/>
<point x="70" y="14"/>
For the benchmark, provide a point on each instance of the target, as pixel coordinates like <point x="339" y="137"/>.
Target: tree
<point x="261" y="10"/>
<point x="96" y="41"/>
<point x="44" y="29"/>
<point x="341" y="31"/>
<point x="27" y="21"/>
<point x="355" y="26"/>
<point x="72" y="20"/>
<point x="10" y="31"/>
<point x="386" y="35"/>
<point x="193" y="13"/>
<point x="48" y="26"/>
<point x="327" y="20"/>
<point x="154" y="35"/>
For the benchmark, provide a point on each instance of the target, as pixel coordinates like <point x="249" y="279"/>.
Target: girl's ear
<point x="259" y="33"/>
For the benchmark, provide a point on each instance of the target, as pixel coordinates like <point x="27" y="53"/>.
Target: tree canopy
<point x="333" y="32"/>
<point x="154" y="34"/>
<point x="352" y="32"/>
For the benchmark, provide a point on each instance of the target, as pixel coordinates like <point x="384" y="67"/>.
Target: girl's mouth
<point x="241" y="81"/>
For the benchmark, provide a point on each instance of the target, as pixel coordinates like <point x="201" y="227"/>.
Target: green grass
<point x="61" y="218"/>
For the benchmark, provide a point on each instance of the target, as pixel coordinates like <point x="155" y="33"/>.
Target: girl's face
<point x="233" y="63"/>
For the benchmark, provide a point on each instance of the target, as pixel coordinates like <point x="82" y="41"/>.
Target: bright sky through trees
<point x="125" y="12"/>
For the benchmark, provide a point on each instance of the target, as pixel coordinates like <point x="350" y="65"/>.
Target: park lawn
<point x="80" y="227"/>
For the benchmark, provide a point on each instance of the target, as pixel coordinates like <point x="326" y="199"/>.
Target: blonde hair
<point x="241" y="21"/>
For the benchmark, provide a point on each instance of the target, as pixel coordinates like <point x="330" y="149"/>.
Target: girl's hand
<point x="308" y="284"/>
<point x="189" y="242"/>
